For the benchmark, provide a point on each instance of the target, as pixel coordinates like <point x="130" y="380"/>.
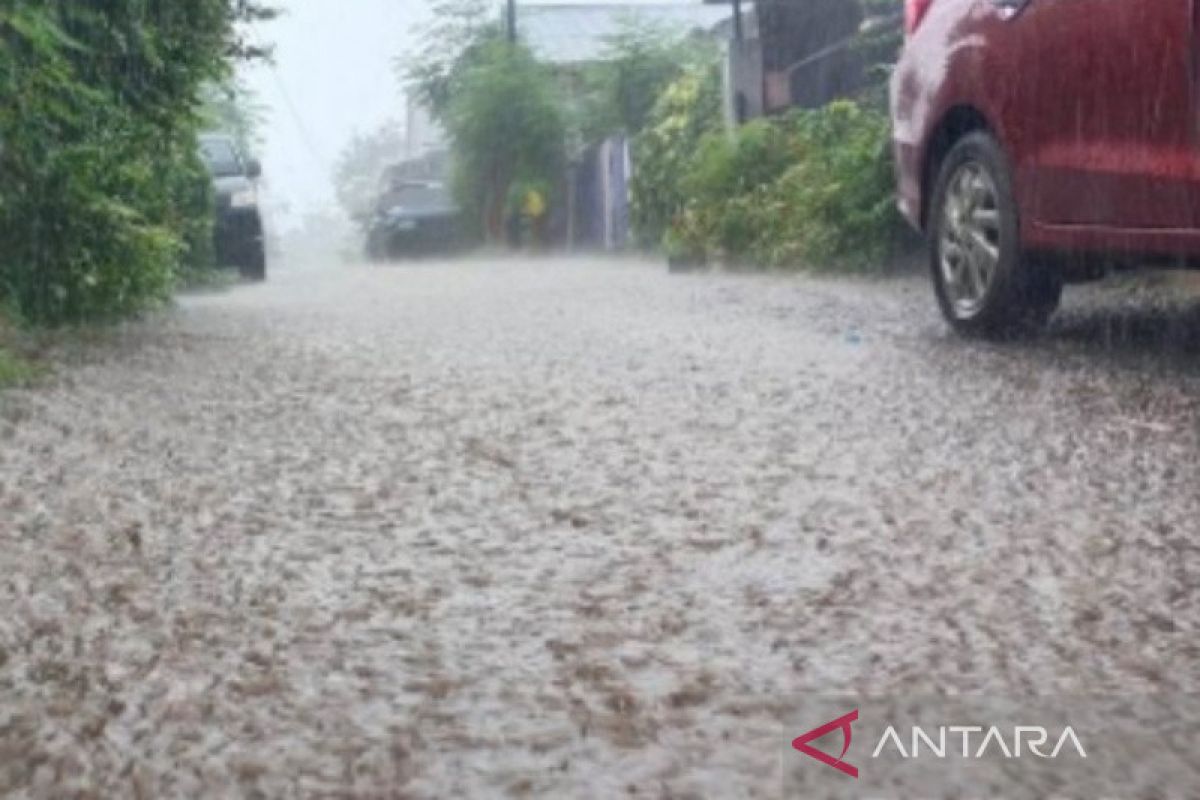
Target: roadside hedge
<point x="688" y="109"/>
<point x="13" y="370"/>
<point x="103" y="199"/>
<point x="813" y="189"/>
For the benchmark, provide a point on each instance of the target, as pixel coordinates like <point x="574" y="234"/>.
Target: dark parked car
<point x="413" y="217"/>
<point x="239" y="227"/>
<point x="1036" y="139"/>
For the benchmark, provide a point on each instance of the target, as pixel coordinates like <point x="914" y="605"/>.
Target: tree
<point x="639" y="63"/>
<point x="451" y="43"/>
<point x="507" y="129"/>
<point x="686" y="111"/>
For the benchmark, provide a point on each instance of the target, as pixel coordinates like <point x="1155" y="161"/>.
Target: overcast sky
<point x="333" y="76"/>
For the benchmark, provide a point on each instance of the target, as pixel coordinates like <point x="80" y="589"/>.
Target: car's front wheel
<point x="984" y="284"/>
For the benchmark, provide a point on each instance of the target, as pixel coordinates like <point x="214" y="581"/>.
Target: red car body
<point x="1093" y="102"/>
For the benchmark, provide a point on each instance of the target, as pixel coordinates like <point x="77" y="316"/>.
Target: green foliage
<point x="452" y="43"/>
<point x="506" y="125"/>
<point x="836" y="206"/>
<point x="813" y="189"/>
<point x="190" y="209"/>
<point x="727" y="165"/>
<point x="687" y="110"/>
<point x="14" y="370"/>
<point x="724" y="181"/>
<point x="501" y="108"/>
<point x="618" y="93"/>
<point x="102" y="195"/>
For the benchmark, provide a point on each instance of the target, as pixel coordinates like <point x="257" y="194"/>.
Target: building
<point x="799" y="53"/>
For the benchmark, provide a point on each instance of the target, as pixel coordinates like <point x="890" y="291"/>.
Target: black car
<point x="239" y="227"/>
<point x="413" y="217"/>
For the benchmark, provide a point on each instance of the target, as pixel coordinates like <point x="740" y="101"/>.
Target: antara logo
<point x="992" y="742"/>
<point x="801" y="743"/>
<point x="976" y="742"/>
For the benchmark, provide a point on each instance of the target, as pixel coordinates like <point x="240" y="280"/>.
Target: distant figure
<point x="533" y="212"/>
<point x="526" y="217"/>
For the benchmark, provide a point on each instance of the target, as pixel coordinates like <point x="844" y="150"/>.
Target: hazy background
<point x="334" y="75"/>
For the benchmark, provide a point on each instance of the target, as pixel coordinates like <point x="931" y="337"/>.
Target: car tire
<point x="985" y="284"/>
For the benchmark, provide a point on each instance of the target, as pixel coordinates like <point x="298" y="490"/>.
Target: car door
<point x="1109" y="87"/>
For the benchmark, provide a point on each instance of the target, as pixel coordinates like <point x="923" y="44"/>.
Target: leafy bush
<point x="836" y="206"/>
<point x="102" y="195"/>
<point x="723" y="186"/>
<point x="14" y="370"/>
<point x="686" y="111"/>
<point x="813" y="189"/>
<point x="194" y="208"/>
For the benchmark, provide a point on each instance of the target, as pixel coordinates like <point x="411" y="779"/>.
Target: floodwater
<point x="571" y="528"/>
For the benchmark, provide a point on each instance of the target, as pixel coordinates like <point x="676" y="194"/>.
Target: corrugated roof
<point x="574" y="34"/>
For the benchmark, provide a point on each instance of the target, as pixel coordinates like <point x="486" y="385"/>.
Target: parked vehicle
<point x="413" y="217"/>
<point x="239" y="226"/>
<point x="1036" y="139"/>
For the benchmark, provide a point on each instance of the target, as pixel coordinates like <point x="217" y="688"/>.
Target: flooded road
<point x="571" y="529"/>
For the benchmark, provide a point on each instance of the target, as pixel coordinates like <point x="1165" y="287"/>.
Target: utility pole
<point x="512" y="21"/>
<point x="738" y="56"/>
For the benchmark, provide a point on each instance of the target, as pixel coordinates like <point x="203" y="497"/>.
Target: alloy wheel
<point x="969" y="247"/>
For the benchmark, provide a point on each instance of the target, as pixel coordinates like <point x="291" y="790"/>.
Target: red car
<point x="1036" y="139"/>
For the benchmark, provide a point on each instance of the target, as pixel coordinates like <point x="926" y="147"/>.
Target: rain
<point x="595" y="398"/>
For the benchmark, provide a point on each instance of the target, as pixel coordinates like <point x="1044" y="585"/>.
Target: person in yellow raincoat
<point x="533" y="209"/>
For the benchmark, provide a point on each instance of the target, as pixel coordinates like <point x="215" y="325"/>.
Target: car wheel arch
<point x="957" y="122"/>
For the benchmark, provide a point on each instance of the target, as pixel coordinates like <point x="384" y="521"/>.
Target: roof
<point x="579" y="33"/>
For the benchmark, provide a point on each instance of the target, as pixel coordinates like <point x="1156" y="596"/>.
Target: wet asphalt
<point x="574" y="527"/>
